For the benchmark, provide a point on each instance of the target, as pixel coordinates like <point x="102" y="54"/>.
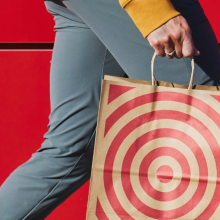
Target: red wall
<point x="25" y="21"/>
<point x="25" y="106"/>
<point x="24" y="89"/>
<point x="211" y="9"/>
<point x="29" y="21"/>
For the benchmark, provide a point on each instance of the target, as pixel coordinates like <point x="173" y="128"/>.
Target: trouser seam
<point x="71" y="169"/>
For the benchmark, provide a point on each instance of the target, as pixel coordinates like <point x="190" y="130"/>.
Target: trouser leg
<point x="63" y="163"/>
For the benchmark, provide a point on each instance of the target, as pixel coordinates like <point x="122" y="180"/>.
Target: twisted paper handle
<point x="154" y="79"/>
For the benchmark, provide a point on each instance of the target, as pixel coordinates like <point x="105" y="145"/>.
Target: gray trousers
<point x="93" y="38"/>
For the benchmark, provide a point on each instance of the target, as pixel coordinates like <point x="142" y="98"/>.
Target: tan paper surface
<point x="157" y="152"/>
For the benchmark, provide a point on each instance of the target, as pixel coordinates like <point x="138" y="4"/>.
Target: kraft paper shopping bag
<point x="157" y="151"/>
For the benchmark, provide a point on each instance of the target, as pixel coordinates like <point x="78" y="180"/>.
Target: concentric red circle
<point x="157" y="115"/>
<point x="164" y="151"/>
<point x="155" y="194"/>
<point x="164" y="174"/>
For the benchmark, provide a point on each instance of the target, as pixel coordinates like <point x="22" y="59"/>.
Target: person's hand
<point x="176" y="35"/>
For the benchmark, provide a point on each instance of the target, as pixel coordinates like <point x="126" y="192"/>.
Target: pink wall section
<point x="29" y="21"/>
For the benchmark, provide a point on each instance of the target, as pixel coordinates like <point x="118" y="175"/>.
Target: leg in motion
<point x="63" y="163"/>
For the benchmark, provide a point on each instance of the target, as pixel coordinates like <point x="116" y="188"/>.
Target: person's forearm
<point x="148" y="15"/>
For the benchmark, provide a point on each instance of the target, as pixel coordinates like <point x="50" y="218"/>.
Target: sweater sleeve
<point x="148" y="15"/>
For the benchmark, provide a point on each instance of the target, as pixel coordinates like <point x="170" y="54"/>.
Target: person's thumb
<point x="196" y="51"/>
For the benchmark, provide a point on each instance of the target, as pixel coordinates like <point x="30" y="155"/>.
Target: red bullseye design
<point x="187" y="140"/>
<point x="164" y="174"/>
<point x="164" y="196"/>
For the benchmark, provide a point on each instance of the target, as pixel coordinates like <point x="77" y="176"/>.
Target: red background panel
<point x="28" y="21"/>
<point x="25" y="21"/>
<point x="212" y="9"/>
<point x="24" y="110"/>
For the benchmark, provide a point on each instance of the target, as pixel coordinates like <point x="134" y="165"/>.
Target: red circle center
<point x="164" y="174"/>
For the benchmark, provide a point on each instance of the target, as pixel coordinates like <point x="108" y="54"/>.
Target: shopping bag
<point x="157" y="151"/>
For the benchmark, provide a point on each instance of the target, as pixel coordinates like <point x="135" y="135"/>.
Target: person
<point x="96" y="38"/>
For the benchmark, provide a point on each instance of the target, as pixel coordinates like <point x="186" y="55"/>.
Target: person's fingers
<point x="177" y="41"/>
<point x="160" y="51"/>
<point x="188" y="48"/>
<point x="158" y="47"/>
<point x="169" y="47"/>
<point x="188" y="45"/>
<point x="178" y="52"/>
<point x="196" y="51"/>
<point x="175" y="35"/>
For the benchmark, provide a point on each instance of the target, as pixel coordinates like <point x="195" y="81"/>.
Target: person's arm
<point x="148" y="15"/>
<point x="162" y="25"/>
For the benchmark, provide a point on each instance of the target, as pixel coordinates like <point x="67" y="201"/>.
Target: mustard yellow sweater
<point x="148" y="15"/>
